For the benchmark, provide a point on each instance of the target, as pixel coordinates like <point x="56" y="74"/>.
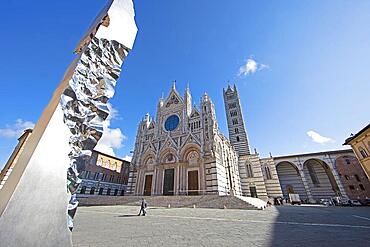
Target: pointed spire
<point x="161" y="100"/>
<point x="174" y="85"/>
<point x="187" y="89"/>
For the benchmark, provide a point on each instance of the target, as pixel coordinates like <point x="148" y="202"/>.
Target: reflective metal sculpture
<point x="84" y="102"/>
<point x="84" y="105"/>
<point x="64" y="136"/>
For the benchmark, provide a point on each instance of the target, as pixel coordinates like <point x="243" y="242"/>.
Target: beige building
<point x="8" y="168"/>
<point x="360" y="144"/>
<point x="104" y="175"/>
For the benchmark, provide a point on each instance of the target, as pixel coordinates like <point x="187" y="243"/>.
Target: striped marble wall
<point x="322" y="189"/>
<point x="289" y="176"/>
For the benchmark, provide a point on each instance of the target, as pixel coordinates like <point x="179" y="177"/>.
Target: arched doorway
<point x="92" y="191"/>
<point x="290" y="179"/>
<point x="290" y="189"/>
<point x="320" y="179"/>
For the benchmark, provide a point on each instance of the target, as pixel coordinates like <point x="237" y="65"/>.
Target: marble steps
<point x="205" y="201"/>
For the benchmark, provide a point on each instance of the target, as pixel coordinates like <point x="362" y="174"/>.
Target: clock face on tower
<point x="171" y="123"/>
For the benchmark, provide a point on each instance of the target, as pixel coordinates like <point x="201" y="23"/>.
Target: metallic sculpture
<point x="34" y="199"/>
<point x="84" y="104"/>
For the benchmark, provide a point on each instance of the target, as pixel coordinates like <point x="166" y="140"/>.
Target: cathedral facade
<point x="183" y="152"/>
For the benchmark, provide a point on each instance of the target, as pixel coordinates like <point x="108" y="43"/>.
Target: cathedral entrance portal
<point x="168" y="184"/>
<point x="253" y="191"/>
<point x="148" y="185"/>
<point x="193" y="188"/>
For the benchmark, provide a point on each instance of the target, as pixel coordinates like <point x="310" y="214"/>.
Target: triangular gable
<point x="152" y="147"/>
<point x="191" y="139"/>
<point x="194" y="113"/>
<point x="169" y="142"/>
<point x="173" y="98"/>
<point x="151" y="125"/>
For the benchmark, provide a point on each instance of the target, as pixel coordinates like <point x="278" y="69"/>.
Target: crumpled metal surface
<point x="84" y="105"/>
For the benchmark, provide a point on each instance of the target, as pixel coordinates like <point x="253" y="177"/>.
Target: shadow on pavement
<point x="319" y="226"/>
<point x="128" y="215"/>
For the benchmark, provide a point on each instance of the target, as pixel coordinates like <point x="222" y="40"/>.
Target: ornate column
<point x="154" y="182"/>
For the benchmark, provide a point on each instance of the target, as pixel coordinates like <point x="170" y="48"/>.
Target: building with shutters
<point x="104" y="175"/>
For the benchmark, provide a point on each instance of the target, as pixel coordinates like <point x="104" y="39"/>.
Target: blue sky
<point x="301" y="67"/>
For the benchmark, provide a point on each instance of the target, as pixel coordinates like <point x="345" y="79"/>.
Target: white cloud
<point x="316" y="137"/>
<point x="128" y="158"/>
<point x="16" y="129"/>
<point x="251" y="66"/>
<point x="112" y="138"/>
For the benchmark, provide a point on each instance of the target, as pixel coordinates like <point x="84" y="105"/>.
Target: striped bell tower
<point x="235" y="123"/>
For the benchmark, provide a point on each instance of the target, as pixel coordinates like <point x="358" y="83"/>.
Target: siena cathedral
<point x="183" y="152"/>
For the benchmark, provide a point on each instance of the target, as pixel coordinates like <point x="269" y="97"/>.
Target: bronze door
<point x="168" y="184"/>
<point x="193" y="187"/>
<point x="148" y="185"/>
<point x="253" y="191"/>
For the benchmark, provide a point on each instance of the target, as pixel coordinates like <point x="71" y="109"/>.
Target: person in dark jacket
<point x="143" y="207"/>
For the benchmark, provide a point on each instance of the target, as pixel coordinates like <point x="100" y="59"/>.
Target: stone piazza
<point x="185" y="123"/>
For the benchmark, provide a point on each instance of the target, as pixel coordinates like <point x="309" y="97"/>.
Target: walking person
<point x="143" y="207"/>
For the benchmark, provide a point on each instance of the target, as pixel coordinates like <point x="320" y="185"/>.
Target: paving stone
<point x="276" y="226"/>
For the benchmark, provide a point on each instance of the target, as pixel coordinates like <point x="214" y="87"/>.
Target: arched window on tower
<point x="248" y="168"/>
<point x="268" y="172"/>
<point x="236" y="131"/>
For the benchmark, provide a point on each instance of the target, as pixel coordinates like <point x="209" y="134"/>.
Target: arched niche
<point x="290" y="179"/>
<point x="320" y="179"/>
<point x="168" y="156"/>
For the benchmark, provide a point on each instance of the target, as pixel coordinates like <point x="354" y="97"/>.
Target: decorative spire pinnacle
<point x="174" y="85"/>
